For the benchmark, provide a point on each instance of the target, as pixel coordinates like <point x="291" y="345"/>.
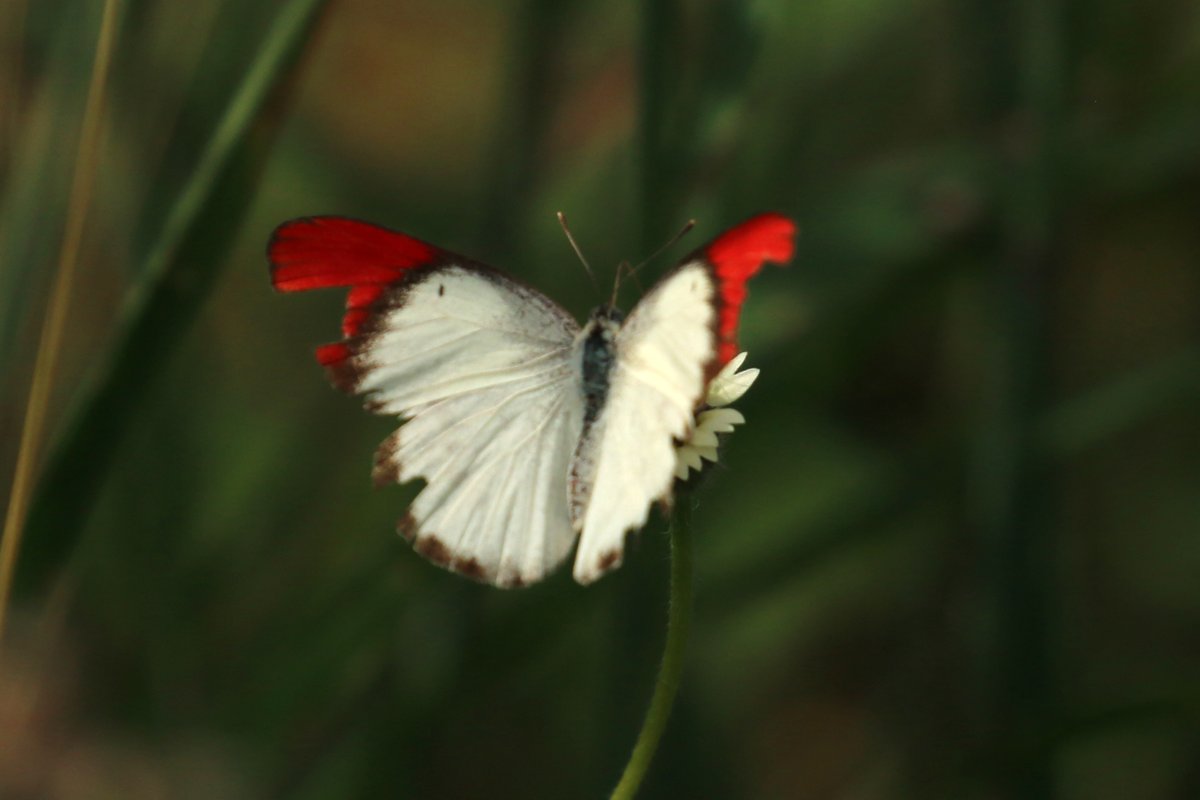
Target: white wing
<point x="626" y="459"/>
<point x="491" y="378"/>
<point x="481" y="368"/>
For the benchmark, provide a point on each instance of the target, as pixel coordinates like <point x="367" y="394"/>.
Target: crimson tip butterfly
<point x="529" y="430"/>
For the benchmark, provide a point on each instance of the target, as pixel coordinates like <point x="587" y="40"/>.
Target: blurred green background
<point x="955" y="552"/>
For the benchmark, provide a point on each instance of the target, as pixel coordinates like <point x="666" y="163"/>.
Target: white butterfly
<point x="528" y="430"/>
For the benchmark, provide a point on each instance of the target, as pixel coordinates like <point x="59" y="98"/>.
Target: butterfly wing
<point x="671" y="345"/>
<point x="481" y="368"/>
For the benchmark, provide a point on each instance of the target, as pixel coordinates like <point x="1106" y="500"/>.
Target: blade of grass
<point x="520" y="146"/>
<point x="1012" y="485"/>
<point x="35" y="182"/>
<point x="14" y="25"/>
<point x="178" y="272"/>
<point x="50" y="343"/>
<point x="656" y="53"/>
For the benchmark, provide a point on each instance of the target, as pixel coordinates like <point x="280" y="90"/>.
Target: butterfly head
<point x="607" y="316"/>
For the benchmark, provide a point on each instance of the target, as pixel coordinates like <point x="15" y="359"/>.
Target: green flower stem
<point x="679" y="620"/>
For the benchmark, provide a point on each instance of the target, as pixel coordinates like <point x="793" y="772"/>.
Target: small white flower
<point x="726" y="387"/>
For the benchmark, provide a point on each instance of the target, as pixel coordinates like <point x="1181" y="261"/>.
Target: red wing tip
<point x="330" y="354"/>
<point x="279" y="253"/>
<point x="766" y="237"/>
<point x="309" y="226"/>
<point x="330" y="251"/>
<point x="291" y="283"/>
<point x="735" y="256"/>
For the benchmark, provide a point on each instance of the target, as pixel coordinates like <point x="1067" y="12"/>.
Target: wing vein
<point x="477" y="469"/>
<point x="473" y="323"/>
<point x="487" y="412"/>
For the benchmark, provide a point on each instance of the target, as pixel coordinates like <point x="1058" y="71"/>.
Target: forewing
<point x="671" y="345"/>
<point x="627" y="456"/>
<point x="480" y="367"/>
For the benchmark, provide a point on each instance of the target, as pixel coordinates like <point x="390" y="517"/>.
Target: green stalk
<point x="679" y="619"/>
<point x="1014" y="491"/>
<point x="175" y="278"/>
<point x="54" y="324"/>
<point x="654" y="83"/>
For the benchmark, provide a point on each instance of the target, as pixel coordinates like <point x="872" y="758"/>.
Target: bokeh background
<point x="955" y="553"/>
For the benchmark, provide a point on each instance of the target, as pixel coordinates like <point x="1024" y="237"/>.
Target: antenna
<point x="632" y="271"/>
<point x="562" y="220"/>
<point x="623" y="267"/>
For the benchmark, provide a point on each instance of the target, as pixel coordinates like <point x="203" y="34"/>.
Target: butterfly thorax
<point x="599" y="353"/>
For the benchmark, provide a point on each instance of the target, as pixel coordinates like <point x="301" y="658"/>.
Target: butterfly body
<point x="596" y="358"/>
<point x="529" y="430"/>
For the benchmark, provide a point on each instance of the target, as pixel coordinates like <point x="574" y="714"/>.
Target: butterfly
<point x="529" y="430"/>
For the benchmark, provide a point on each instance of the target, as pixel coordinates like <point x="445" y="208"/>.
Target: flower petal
<point x="720" y="420"/>
<point x="729" y="385"/>
<point x="734" y="364"/>
<point x="681" y="469"/>
<point x="703" y="436"/>
<point x="687" y="458"/>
